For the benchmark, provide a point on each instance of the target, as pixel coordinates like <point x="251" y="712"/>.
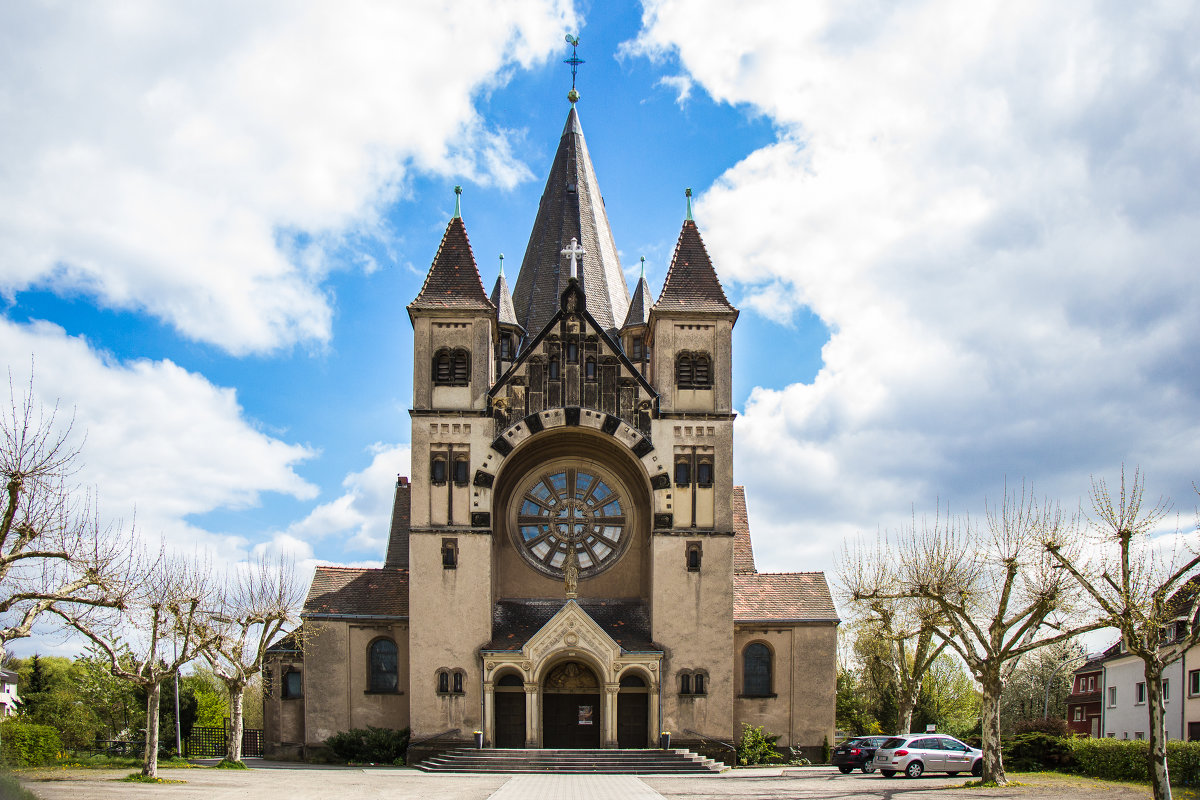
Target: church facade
<point x="571" y="563"/>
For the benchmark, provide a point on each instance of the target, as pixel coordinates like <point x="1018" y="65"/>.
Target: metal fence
<point x="205" y="742"/>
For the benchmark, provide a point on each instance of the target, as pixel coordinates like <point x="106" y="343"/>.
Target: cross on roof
<point x="575" y="252"/>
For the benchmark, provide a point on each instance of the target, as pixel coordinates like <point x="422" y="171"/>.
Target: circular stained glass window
<point x="571" y="508"/>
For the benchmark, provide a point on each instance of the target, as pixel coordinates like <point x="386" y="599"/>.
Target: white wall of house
<point x="8" y="692"/>
<point x="1127" y="718"/>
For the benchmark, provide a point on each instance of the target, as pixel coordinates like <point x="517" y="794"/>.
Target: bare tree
<point x="996" y="593"/>
<point x="902" y="625"/>
<point x="53" y="548"/>
<point x="1141" y="589"/>
<point x="261" y="599"/>
<point x="160" y="629"/>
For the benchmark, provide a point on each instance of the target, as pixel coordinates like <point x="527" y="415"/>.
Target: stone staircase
<point x="590" y="762"/>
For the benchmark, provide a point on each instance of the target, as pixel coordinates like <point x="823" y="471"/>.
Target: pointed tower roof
<point x="643" y="299"/>
<point x="453" y="280"/>
<point x="502" y="299"/>
<point x="692" y="283"/>
<point x="571" y="207"/>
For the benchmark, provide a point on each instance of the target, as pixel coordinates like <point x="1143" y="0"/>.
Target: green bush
<point x="370" y="745"/>
<point x="26" y="745"/>
<point x="1034" y="751"/>
<point x="757" y="746"/>
<point x="1120" y="759"/>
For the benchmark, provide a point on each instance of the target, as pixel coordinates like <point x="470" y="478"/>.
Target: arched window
<point x="511" y="680"/>
<point x="443" y="682"/>
<point x="683" y="472"/>
<point x="458" y="683"/>
<point x="694" y="552"/>
<point x="293" y="685"/>
<point x="553" y="371"/>
<point x="704" y="473"/>
<point x="451" y="367"/>
<point x="701" y="372"/>
<point x="443" y="368"/>
<point x="462" y="367"/>
<point x="698" y="683"/>
<point x="572" y="353"/>
<point x="683" y="371"/>
<point x="756" y="670"/>
<point x="437" y="469"/>
<point x="589" y="369"/>
<point x="685" y="683"/>
<point x="693" y="371"/>
<point x="462" y="470"/>
<point x="382" y="660"/>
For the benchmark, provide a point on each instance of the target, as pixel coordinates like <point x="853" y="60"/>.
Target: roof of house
<point x="691" y="283"/>
<point x="357" y="592"/>
<point x="514" y="622"/>
<point x="571" y="208"/>
<point x="453" y="280"/>
<point x="743" y="547"/>
<point x="288" y="643"/>
<point x="782" y="597"/>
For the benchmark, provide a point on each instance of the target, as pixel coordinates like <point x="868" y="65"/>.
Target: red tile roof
<point x="453" y="280"/>
<point x="358" y="592"/>
<point x="743" y="547"/>
<point x="782" y="597"/>
<point x="691" y="283"/>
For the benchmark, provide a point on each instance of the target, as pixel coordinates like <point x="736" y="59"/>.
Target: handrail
<point x="726" y="745"/>
<point x="435" y="736"/>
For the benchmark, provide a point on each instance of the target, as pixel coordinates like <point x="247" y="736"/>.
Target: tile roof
<point x="358" y="592"/>
<point x="453" y="280"/>
<point x="397" y="549"/>
<point x="743" y="547"/>
<point x="288" y="643"/>
<point x="782" y="597"/>
<point x="571" y="207"/>
<point x="639" y="306"/>
<point x="514" y="622"/>
<point x="502" y="299"/>
<point x="691" y="283"/>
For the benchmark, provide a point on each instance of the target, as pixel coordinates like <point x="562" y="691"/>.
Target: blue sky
<point x="962" y="238"/>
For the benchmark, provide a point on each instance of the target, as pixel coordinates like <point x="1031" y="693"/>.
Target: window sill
<point x="293" y="697"/>
<point x="451" y="694"/>
<point x="383" y="691"/>
<point x="757" y="696"/>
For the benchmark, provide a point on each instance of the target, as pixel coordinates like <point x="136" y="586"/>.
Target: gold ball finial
<point x="573" y="95"/>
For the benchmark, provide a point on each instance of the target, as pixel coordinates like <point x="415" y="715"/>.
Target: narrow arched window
<point x="462" y="367"/>
<point x="443" y="368"/>
<point x="589" y="369"/>
<point x="698" y="685"/>
<point x="443" y="682"/>
<point x="572" y="353"/>
<point x="685" y="684"/>
<point x="704" y="473"/>
<point x="382" y="659"/>
<point x="701" y="371"/>
<point x="683" y="371"/>
<point x="458" y="683"/>
<point x="437" y="469"/>
<point x="683" y="472"/>
<point x="462" y="470"/>
<point x="756" y="670"/>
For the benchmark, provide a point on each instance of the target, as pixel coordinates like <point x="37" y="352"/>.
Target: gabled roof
<point x="502" y="299"/>
<point x="453" y="280"/>
<point x="639" y="306"/>
<point x="514" y="622"/>
<point x="288" y="643"/>
<point x="782" y="597"/>
<point x="357" y="592"/>
<point x="691" y="283"/>
<point x="743" y="547"/>
<point x="571" y="207"/>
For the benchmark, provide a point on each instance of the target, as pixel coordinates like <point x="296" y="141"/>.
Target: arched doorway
<point x="633" y="712"/>
<point x="510" y="711"/>
<point x="571" y="707"/>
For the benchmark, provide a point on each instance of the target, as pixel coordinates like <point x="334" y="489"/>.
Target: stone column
<point x="610" y="714"/>
<point x="488" y="725"/>
<point x="652" y="713"/>
<point x="532" y="728"/>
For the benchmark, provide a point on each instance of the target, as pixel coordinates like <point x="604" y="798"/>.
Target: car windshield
<point x="892" y="744"/>
<point x="875" y="742"/>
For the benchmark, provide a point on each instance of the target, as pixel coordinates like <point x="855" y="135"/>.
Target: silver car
<point x="917" y="753"/>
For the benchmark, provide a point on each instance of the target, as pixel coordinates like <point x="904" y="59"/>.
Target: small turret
<point x="635" y="327"/>
<point x="508" y="329"/>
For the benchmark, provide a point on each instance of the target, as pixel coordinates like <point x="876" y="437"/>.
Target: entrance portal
<point x="633" y="713"/>
<point x="571" y="707"/>
<point x="510" y="712"/>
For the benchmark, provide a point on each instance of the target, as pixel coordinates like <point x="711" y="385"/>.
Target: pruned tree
<point x="261" y="599"/>
<point x="53" y="548"/>
<point x="159" y="630"/>
<point x="903" y="627"/>
<point x="1148" y="592"/>
<point x="996" y="593"/>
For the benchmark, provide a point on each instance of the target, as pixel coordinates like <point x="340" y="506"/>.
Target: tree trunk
<point x="150" y="759"/>
<point x="1160" y="781"/>
<point x="905" y="702"/>
<point x="233" y="744"/>
<point x="993" y="759"/>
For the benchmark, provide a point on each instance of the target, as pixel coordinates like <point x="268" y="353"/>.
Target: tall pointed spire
<point x="453" y="280"/>
<point x="571" y="208"/>
<point x="502" y="300"/>
<point x="691" y="284"/>
<point x="639" y="306"/>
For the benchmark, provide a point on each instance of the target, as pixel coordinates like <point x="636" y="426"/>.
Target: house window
<point x="458" y="683"/>
<point x="1079" y="713"/>
<point x="704" y="473"/>
<point x="437" y="469"/>
<point x="1166" y="688"/>
<point x="1139" y="734"/>
<point x="554" y="366"/>
<point x="693" y="556"/>
<point x="698" y="683"/>
<point x="292" y="684"/>
<point x="756" y="670"/>
<point x="462" y="470"/>
<point x="1193" y="682"/>
<point x="701" y="372"/>
<point x="589" y="369"/>
<point x="572" y="353"/>
<point x="1092" y="683"/>
<point x="636" y="349"/>
<point x="683" y="472"/>
<point x="1112" y="697"/>
<point x="449" y="553"/>
<point x="506" y="347"/>
<point x="451" y="367"/>
<point x="1139" y="693"/>
<point x="450" y="682"/>
<point x="382" y="660"/>
<point x="684" y="374"/>
<point x="685" y="683"/>
<point x="443" y="682"/>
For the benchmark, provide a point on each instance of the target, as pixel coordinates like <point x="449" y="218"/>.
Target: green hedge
<point x="28" y="745"/>
<point x="370" y="745"/>
<point x="1120" y="759"/>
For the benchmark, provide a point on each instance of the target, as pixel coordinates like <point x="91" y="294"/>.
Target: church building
<point x="571" y="564"/>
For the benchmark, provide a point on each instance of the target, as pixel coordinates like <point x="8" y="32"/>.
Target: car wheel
<point x="951" y="774"/>
<point x="914" y="769"/>
<point x="887" y="773"/>
<point x="977" y="770"/>
<point x="867" y="769"/>
<point x="845" y="770"/>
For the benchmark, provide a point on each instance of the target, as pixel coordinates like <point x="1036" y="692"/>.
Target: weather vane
<point x="574" y="61"/>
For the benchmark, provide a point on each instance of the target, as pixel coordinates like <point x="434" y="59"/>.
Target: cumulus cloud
<point x="160" y="444"/>
<point x="993" y="207"/>
<point x="204" y="163"/>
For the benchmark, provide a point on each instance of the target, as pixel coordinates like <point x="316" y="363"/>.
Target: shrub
<point x="27" y="745"/>
<point x="1120" y="759"/>
<point x="825" y="750"/>
<point x="1034" y="751"/>
<point x="1053" y="726"/>
<point x="369" y="745"/>
<point x="757" y="746"/>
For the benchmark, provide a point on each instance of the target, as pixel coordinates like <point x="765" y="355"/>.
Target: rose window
<point x="569" y="509"/>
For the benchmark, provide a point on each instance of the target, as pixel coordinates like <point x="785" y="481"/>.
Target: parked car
<point x="916" y="753"/>
<point x="857" y="753"/>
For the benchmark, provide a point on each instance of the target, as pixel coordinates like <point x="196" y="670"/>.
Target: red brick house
<point x="1083" y="704"/>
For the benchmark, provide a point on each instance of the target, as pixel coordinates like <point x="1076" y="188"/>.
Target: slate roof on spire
<point x="453" y="280"/>
<point x="571" y="206"/>
<point x="639" y="306"/>
<point x="502" y="299"/>
<point x="692" y="283"/>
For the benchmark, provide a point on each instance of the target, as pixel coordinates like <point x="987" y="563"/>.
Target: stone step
<point x="515" y="761"/>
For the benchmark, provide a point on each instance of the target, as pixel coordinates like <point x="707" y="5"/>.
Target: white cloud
<point x="205" y="162"/>
<point x="362" y="515"/>
<point x="162" y="444"/>
<point x="993" y="207"/>
<point x="680" y="84"/>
